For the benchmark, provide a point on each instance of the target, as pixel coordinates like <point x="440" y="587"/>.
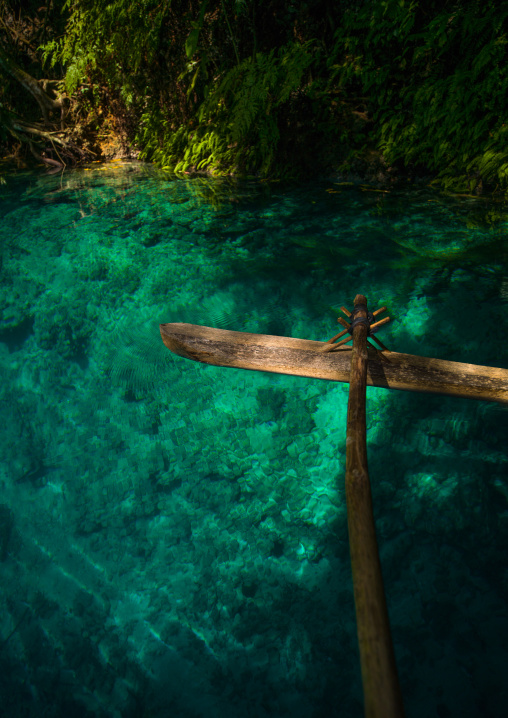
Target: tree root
<point x="33" y="135"/>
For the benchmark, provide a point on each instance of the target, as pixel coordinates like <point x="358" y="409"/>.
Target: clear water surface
<point x="173" y="537"/>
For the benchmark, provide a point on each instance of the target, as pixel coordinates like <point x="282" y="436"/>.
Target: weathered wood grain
<point x="304" y="357"/>
<point x="382" y="696"/>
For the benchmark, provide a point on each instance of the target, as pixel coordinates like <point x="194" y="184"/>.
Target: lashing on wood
<point x="368" y="319"/>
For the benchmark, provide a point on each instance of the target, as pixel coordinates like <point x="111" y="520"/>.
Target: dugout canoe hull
<point x="305" y="357"/>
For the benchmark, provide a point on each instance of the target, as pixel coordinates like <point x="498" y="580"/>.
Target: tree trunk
<point x="45" y="102"/>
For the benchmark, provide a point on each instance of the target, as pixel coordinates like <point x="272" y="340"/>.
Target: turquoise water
<point x="173" y="537"/>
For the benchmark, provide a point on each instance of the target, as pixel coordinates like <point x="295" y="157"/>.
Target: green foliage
<point x="256" y="87"/>
<point x="436" y="79"/>
<point x="191" y="43"/>
<point x="116" y="36"/>
<point x="238" y="122"/>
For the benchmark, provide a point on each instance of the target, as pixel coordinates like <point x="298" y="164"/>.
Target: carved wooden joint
<point x="358" y="315"/>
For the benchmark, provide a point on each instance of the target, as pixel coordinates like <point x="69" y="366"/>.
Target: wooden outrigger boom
<point x="305" y="357"/>
<point x="359" y="365"/>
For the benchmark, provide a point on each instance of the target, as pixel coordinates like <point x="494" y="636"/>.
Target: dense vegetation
<point x="418" y="87"/>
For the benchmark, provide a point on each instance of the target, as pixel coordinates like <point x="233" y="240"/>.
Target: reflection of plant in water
<point x="473" y="211"/>
<point x="482" y="258"/>
<point x="218" y="192"/>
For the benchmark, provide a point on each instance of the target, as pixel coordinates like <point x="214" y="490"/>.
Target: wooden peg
<point x="337" y="336"/>
<point x="379" y="324"/>
<point x="379" y="311"/>
<point x="346" y="311"/>
<point x="339" y="344"/>
<point x="379" y="342"/>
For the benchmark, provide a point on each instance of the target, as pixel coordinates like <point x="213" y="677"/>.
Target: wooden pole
<point x="381" y="689"/>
